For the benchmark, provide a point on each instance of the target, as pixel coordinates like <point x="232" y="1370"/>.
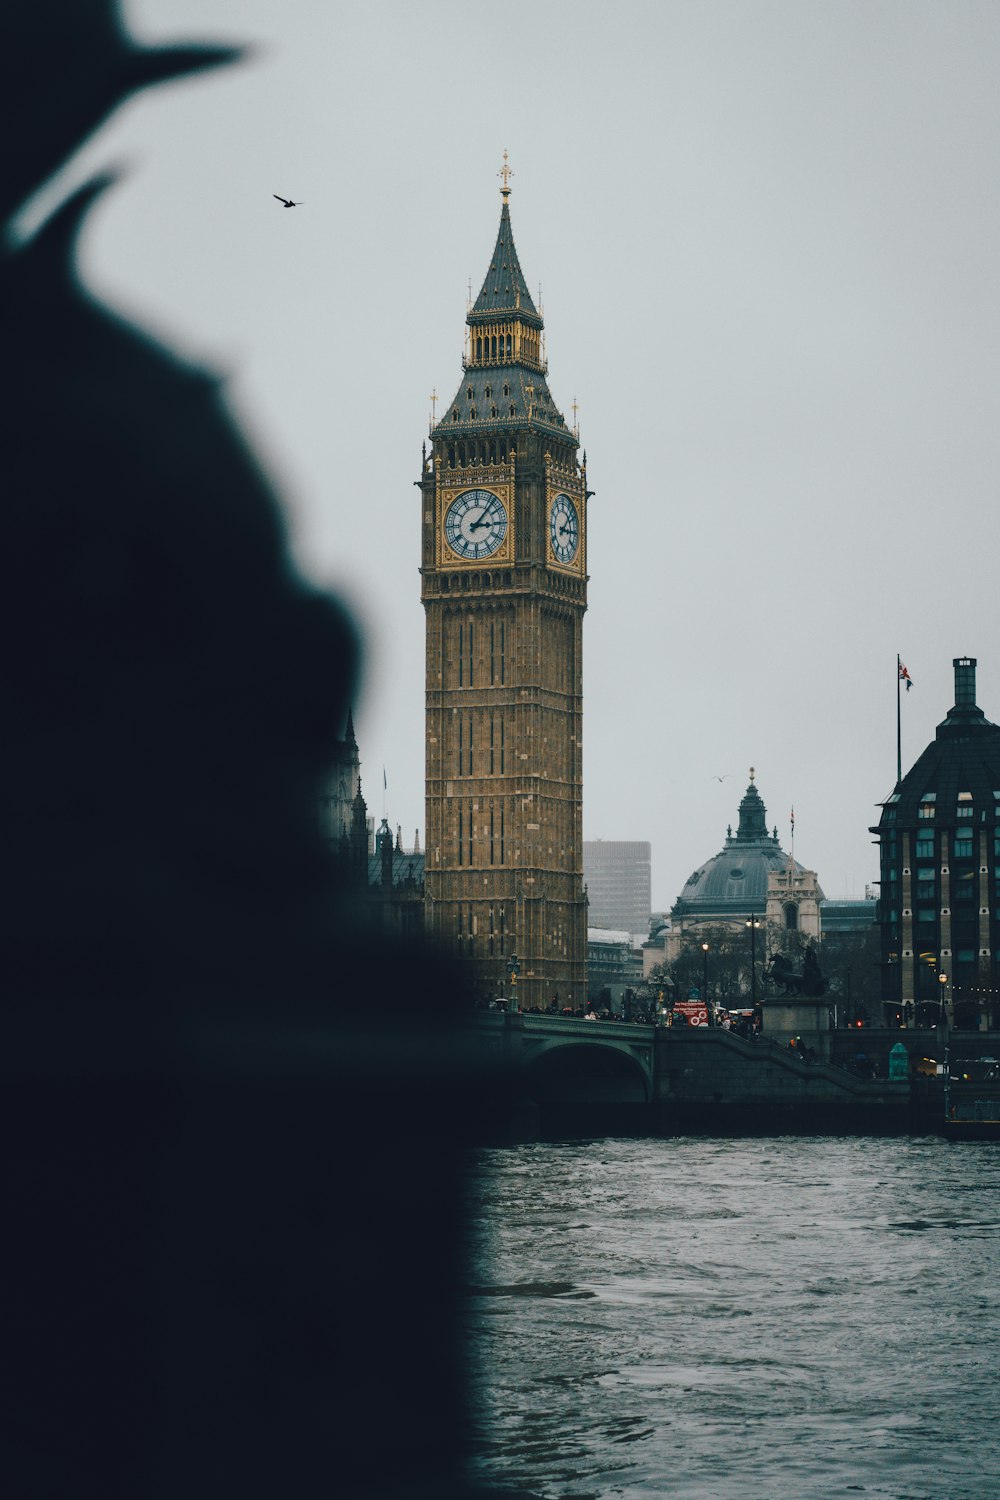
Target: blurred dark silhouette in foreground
<point x="232" y="1229"/>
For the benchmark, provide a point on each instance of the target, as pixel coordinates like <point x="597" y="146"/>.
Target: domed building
<point x="752" y="876"/>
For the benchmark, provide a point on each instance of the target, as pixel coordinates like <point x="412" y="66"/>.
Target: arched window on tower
<point x="791" y="917"/>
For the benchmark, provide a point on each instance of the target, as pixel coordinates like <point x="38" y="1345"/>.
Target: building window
<point x="925" y="843"/>
<point x="791" y="917"/>
<point x="963" y="843"/>
<point x="925" y="810"/>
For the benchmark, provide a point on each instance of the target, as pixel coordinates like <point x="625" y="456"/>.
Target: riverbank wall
<point x="709" y="1080"/>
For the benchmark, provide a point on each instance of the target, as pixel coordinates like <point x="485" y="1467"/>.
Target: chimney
<point x="965" y="681"/>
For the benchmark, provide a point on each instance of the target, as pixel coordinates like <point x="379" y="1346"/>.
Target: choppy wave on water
<point x="726" y="1320"/>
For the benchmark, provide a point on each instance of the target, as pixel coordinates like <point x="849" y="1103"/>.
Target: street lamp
<point x="753" y="923"/>
<point x="943" y="1007"/>
<point x="704" y="972"/>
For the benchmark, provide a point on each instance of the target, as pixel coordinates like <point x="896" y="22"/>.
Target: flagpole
<point x="899" y="732"/>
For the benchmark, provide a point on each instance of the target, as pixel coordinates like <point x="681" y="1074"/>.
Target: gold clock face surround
<point x="564" y="529"/>
<point x="476" y="524"/>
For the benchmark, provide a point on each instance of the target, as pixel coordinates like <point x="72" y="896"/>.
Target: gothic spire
<point x="504" y="291"/>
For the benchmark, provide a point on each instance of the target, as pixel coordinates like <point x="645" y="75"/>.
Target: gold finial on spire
<point x="505" y="174"/>
<point x="434" y="402"/>
<point x="576" y="426"/>
<point x="751" y="773"/>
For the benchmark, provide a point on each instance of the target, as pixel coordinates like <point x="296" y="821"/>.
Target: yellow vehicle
<point x="926" y="1068"/>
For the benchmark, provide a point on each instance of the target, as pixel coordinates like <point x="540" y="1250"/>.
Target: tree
<point x="728" y="962"/>
<point x="852" y="965"/>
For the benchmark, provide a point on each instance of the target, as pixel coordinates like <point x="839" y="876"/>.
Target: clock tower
<point x="504" y="589"/>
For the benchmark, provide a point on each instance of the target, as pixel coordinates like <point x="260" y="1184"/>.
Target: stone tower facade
<point x="504" y="589"/>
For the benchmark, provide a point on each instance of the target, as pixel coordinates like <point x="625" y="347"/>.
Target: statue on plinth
<point x="809" y="983"/>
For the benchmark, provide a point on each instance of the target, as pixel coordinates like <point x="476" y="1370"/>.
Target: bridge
<point x="567" y="1060"/>
<point x="697" y="1077"/>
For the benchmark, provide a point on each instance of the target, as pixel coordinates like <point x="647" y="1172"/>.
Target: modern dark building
<point x="619" y="883"/>
<point x="940" y="841"/>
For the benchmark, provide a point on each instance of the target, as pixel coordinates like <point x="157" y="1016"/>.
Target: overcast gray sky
<point x="767" y="240"/>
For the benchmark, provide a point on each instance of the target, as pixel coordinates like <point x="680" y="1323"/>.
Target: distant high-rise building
<point x="619" y="883"/>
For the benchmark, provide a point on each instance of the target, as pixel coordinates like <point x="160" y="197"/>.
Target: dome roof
<point x="734" y="882"/>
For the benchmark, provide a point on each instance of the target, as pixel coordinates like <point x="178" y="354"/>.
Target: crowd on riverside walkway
<point x="745" y="1023"/>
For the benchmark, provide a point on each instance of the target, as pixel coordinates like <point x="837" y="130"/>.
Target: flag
<point x="904" y="675"/>
<point x="793" y="819"/>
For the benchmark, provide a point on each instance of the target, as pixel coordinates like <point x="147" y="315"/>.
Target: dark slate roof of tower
<point x="498" y="393"/>
<point x="516" y="393"/>
<point x="964" y="756"/>
<point x="505" y="289"/>
<point x="734" y="882"/>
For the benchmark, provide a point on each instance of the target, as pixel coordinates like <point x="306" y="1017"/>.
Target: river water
<point x="788" y="1317"/>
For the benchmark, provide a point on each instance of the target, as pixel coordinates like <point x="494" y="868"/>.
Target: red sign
<point x="695" y="1011"/>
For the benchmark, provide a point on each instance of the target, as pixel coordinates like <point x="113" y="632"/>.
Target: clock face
<point x="564" y="529"/>
<point x="475" y="524"/>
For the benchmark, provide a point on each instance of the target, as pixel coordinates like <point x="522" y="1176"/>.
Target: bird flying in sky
<point x="285" y="202"/>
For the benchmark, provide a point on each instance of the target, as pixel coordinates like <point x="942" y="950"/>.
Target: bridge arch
<point x="585" y="1072"/>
